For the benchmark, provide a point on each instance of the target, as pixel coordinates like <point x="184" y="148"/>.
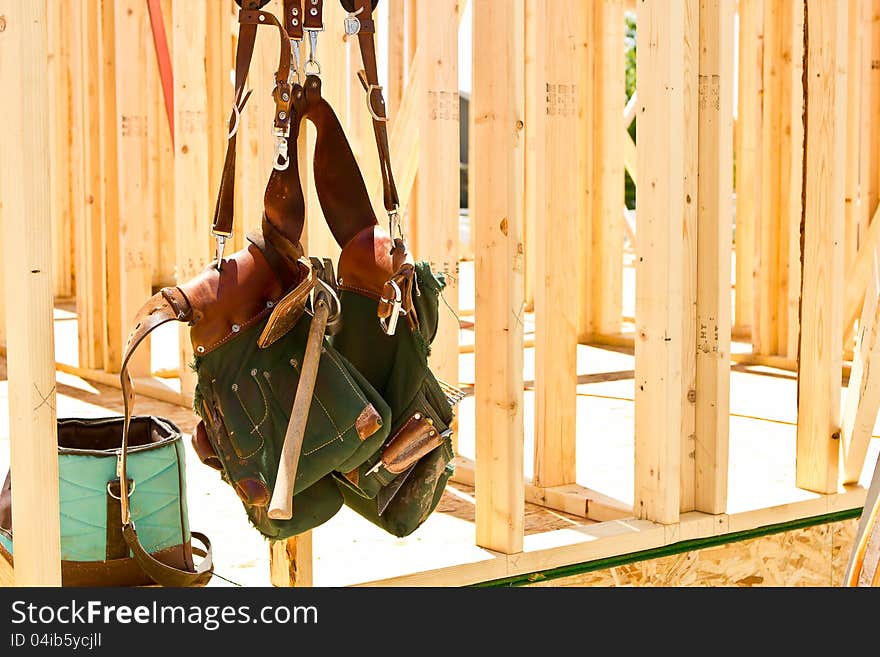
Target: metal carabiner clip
<point x="297" y="58"/>
<point x="389" y="325"/>
<point x="281" y="153"/>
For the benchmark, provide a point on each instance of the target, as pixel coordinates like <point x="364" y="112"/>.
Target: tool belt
<point x="313" y="385"/>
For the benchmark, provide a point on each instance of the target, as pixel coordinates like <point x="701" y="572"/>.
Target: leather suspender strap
<point x="314" y="15"/>
<point x="293" y="19"/>
<point x="167" y="306"/>
<point x="369" y="78"/>
<point x="249" y="19"/>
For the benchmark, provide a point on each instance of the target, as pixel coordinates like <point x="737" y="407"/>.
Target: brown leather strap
<point x="167" y="306"/>
<point x="369" y="78"/>
<point x="293" y="19"/>
<point x="314" y="15"/>
<point x="249" y="19"/>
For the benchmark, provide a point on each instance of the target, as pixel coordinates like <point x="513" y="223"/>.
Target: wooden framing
<point x="821" y="314"/>
<point x="659" y="253"/>
<point x="601" y="99"/>
<point x="777" y="266"/>
<point x="497" y="125"/>
<point x="91" y="284"/>
<point x="438" y="129"/>
<point x="560" y="25"/>
<point x="192" y="198"/>
<point x="28" y="276"/>
<point x="548" y="148"/>
<point x="862" y="397"/>
<point x="748" y="153"/>
<point x="135" y="116"/>
<point x="714" y="219"/>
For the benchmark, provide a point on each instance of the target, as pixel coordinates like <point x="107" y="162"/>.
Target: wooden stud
<point x="862" y="397"/>
<point x="660" y="198"/>
<point x="690" y="143"/>
<point x="439" y="163"/>
<point x="24" y="170"/>
<point x="858" y="272"/>
<point x="89" y="240"/>
<point x="497" y="111"/>
<point x="853" y="127"/>
<point x="113" y="330"/>
<point x="821" y="315"/>
<point x="869" y="168"/>
<point x="777" y="269"/>
<point x="135" y="116"/>
<point x="60" y="187"/>
<point x="290" y="561"/>
<point x="714" y="238"/>
<point x="193" y="201"/>
<point x="608" y="95"/>
<point x="533" y="179"/>
<point x="397" y="59"/>
<point x="560" y="28"/>
<point x="748" y="153"/>
<point x="219" y="54"/>
<point x="162" y="156"/>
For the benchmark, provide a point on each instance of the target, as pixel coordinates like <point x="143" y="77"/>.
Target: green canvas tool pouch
<point x="95" y="548"/>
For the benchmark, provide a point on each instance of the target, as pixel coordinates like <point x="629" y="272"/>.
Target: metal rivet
<point x="270" y="304"/>
<point x="285" y="96"/>
<point x="200" y="349"/>
<point x="254" y="372"/>
<point x="295" y="11"/>
<point x="282" y="115"/>
<point x="293" y="362"/>
<point x="262" y="18"/>
<point x="418" y="416"/>
<point x="313" y="12"/>
<point x="236" y="328"/>
<point x="234" y="387"/>
<point x="267" y="375"/>
<point x="432" y="433"/>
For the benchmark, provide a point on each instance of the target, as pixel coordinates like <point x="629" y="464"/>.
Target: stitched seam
<point x="339" y="366"/>
<point x="332" y="440"/>
<point x="251" y="420"/>
<point x="318" y="399"/>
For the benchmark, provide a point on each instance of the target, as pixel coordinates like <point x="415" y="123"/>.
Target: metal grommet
<point x="313" y="12"/>
<point x="262" y="19"/>
<point x="234" y="387"/>
<point x="200" y="349"/>
<point x="236" y="328"/>
<point x="432" y="433"/>
<point x="294" y="11"/>
<point x="270" y="304"/>
<point x="254" y="372"/>
<point x="295" y="22"/>
<point x="285" y="96"/>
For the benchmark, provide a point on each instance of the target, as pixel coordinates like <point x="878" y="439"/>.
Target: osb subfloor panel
<point x="349" y="550"/>
<point x="813" y="556"/>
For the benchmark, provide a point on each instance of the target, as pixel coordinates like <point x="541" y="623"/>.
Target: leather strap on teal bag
<point x="167" y="306"/>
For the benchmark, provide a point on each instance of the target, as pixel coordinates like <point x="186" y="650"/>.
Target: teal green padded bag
<point x="94" y="551"/>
